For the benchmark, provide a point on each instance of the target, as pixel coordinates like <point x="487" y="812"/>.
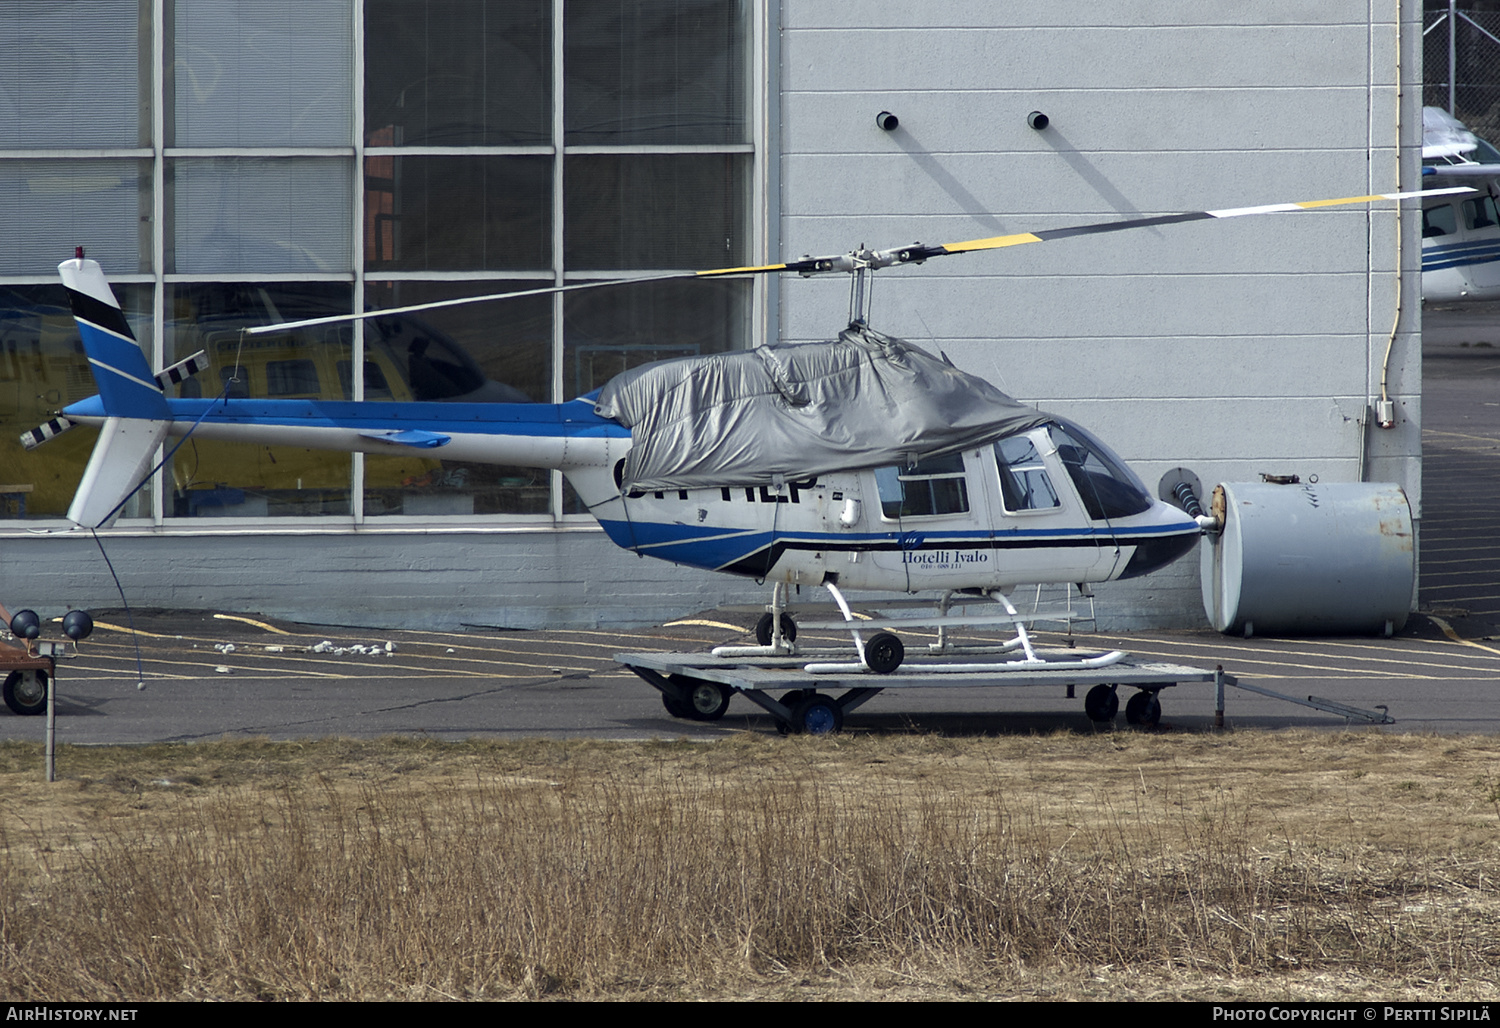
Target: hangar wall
<point x="1231" y="348"/>
<point x="1228" y="347"/>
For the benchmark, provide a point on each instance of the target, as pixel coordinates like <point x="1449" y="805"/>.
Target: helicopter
<point x="862" y="463"/>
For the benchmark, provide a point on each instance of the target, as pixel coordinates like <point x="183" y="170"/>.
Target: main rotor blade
<point x="919" y="253"/>
<point x="914" y="254"/>
<point x="386" y="312"/>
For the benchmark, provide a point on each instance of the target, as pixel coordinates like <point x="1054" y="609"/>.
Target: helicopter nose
<point x="1178" y="535"/>
<point x="1159" y="552"/>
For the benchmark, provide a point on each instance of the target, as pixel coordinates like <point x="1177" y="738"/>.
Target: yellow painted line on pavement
<point x="251" y="621"/>
<point x="1451" y="634"/>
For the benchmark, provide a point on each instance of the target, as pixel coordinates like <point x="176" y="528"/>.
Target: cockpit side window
<point x="1480" y="213"/>
<point x="1106" y="488"/>
<point x="930" y="487"/>
<point x="1438" y="221"/>
<point x="1024" y="483"/>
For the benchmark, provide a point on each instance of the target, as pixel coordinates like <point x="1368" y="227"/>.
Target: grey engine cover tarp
<point x="786" y="412"/>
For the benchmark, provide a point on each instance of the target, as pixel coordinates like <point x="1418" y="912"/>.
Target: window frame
<point x="154" y="46"/>
<point x="914" y="473"/>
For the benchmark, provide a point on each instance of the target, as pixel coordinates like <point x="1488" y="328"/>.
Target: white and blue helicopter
<point x="864" y="463"/>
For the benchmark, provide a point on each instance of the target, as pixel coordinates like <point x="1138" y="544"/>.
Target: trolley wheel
<point x="26" y="691"/>
<point x="818" y="715"/>
<point x="1143" y="709"/>
<point x="708" y="700"/>
<point x="676" y="707"/>
<point x="884" y="653"/>
<point x="791" y="700"/>
<point x="763" y="629"/>
<point x="1101" y="703"/>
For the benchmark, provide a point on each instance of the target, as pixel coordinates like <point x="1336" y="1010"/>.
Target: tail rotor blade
<point x="49" y="429"/>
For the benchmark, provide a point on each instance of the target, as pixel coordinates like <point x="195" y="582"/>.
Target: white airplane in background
<point x="1460" y="236"/>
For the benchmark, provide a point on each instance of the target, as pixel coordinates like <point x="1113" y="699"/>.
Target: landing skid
<point x="882" y="652"/>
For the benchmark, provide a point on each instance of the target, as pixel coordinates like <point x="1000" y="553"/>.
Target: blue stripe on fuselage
<point x="1459" y="255"/>
<point x="533" y="419"/>
<point x="703" y="547"/>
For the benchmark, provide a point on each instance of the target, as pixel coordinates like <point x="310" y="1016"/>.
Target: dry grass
<point x="1251" y="866"/>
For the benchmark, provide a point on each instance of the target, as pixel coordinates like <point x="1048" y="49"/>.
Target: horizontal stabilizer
<point x="46" y="430"/>
<point x="182" y="370"/>
<point x="416" y="437"/>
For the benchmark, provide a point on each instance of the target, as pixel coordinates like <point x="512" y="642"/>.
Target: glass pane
<point x="610" y="330"/>
<point x="1480" y="213"/>
<point x="43" y="369"/>
<point x="212" y="478"/>
<point x="86" y="65"/>
<point x="655" y="71"/>
<point x="261" y="73"/>
<point x="497" y="352"/>
<point x="1024" y="483"/>
<point x="1438" y="221"/>
<point x="933" y="486"/>
<point x="458" y="213"/>
<point x="47" y="207"/>
<point x="458" y="72"/>
<point x="656" y="211"/>
<point x="1107" y="488"/>
<point x="262" y="214"/>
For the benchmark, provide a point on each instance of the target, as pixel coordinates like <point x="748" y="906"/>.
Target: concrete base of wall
<point x="545" y="579"/>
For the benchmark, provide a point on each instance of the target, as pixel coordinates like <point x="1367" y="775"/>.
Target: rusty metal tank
<point x="1309" y="558"/>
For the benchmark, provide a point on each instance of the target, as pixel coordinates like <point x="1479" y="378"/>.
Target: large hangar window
<point x="287" y="158"/>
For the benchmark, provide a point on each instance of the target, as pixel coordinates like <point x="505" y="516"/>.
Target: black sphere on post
<point x="77" y="624"/>
<point x="26" y="625"/>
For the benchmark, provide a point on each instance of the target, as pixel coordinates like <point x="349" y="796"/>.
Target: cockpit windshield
<point x="1106" y="486"/>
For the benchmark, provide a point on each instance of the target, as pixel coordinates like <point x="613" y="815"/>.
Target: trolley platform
<point x="699" y="686"/>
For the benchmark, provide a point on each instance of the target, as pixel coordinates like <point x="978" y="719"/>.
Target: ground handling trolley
<point x="698" y="686"/>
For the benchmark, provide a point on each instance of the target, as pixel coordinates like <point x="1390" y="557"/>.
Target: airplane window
<point x="930" y="487"/>
<point x="291" y="378"/>
<point x="437" y="372"/>
<point x="1480" y="213"/>
<point x="1438" y="221"/>
<point x="1024" y="484"/>
<point x="1106" y="487"/>
<point x="376" y="385"/>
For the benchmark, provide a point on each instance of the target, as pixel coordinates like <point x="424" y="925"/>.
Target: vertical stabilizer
<point x="126" y="385"/>
<point x="138" y="415"/>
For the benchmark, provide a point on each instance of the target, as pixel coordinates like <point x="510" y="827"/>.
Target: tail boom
<point x="136" y="417"/>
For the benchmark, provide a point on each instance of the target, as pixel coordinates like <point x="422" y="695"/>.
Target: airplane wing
<point x="1444" y="136"/>
<point x="1468" y="169"/>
